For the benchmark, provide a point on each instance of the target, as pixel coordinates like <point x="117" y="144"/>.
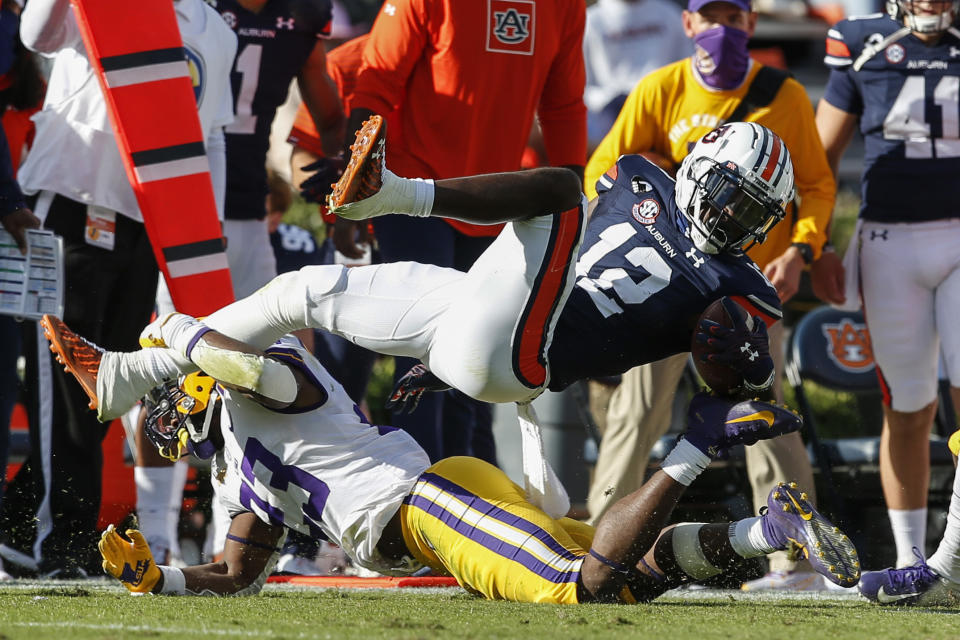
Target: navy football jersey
<point x="907" y="95"/>
<point x="272" y="47"/>
<point x="641" y="283"/>
<point x="294" y="248"/>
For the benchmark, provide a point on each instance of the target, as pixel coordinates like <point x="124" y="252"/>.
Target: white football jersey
<point x="325" y="469"/>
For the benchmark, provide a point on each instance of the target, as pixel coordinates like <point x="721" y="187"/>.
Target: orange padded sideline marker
<point x="354" y="582"/>
<point x="138" y="54"/>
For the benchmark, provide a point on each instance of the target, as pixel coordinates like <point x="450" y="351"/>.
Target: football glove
<point x="129" y="560"/>
<point x="741" y="348"/>
<point x="408" y="390"/>
<point x="317" y="187"/>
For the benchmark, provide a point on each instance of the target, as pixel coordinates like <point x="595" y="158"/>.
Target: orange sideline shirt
<point x="467" y="77"/>
<point x="343" y="63"/>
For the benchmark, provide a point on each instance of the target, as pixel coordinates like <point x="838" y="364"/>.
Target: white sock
<point x="410" y="196"/>
<point x="747" y="539"/>
<point x="179" y="479"/>
<point x="685" y="463"/>
<point x="422" y="196"/>
<point x="153" y="498"/>
<point x="946" y="560"/>
<point x="909" y="531"/>
<point x="124" y="378"/>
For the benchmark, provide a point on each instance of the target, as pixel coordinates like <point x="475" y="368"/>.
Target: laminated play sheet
<point x="32" y="284"/>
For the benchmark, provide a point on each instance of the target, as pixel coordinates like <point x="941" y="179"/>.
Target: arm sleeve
<point x="816" y="187"/>
<point x="48" y="25"/>
<point x="562" y="114"/>
<point x="396" y="43"/>
<point x="629" y="134"/>
<point x="217" y="158"/>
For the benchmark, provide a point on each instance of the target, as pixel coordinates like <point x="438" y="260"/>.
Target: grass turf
<point x="95" y="610"/>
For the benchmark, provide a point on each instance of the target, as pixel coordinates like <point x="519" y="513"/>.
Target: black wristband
<point x="806" y="251"/>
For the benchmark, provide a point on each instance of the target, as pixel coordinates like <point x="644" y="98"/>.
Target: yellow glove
<point x="129" y="562"/>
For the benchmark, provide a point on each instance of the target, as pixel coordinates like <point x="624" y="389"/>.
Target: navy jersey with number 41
<point x="641" y="283"/>
<point x="907" y="97"/>
<point x="273" y="44"/>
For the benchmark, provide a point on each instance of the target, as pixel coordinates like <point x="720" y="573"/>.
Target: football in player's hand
<point x="720" y="377"/>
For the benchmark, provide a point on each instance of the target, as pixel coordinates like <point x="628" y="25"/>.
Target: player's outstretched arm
<point x="248" y="553"/>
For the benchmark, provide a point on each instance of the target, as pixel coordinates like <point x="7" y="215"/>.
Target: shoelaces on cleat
<point x="909" y="578"/>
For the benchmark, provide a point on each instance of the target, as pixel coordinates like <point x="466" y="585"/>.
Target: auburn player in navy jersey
<point x="896" y="77"/>
<point x="529" y="315"/>
<point x="278" y="40"/>
<point x="658" y="260"/>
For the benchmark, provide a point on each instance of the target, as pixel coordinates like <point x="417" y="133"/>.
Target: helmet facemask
<point x="180" y="417"/>
<point x="726" y="212"/>
<point x="906" y="11"/>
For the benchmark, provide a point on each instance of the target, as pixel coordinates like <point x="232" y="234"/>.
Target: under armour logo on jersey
<point x="640" y="186"/>
<point x="694" y="258"/>
<point x="284" y="23"/>
<point x="511" y="26"/>
<point x="954" y="52"/>
<point x="751" y="354"/>
<point x="390" y="9"/>
<point x="882" y="235"/>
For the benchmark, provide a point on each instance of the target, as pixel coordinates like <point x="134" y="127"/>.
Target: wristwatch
<point x="806" y="251"/>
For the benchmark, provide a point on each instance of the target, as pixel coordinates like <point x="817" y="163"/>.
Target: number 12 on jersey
<point x="616" y="279"/>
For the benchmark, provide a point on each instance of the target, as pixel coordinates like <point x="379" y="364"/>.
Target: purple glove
<point x="320" y="184"/>
<point x="406" y="394"/>
<point x="740" y="348"/>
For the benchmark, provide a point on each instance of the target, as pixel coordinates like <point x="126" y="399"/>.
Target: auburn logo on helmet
<point x="848" y="345"/>
<point x="511" y="26"/>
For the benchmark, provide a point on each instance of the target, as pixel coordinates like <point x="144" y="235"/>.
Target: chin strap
<point x="873" y="49"/>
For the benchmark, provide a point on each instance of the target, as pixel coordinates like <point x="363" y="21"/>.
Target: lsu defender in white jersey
<point x="323" y="468"/>
<point x="303" y="459"/>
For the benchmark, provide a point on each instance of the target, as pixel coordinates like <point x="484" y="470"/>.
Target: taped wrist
<point x="685" y="463"/>
<point x="174" y="582"/>
<point x="761" y="377"/>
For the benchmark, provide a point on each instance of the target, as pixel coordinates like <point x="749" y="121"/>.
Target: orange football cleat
<point x="78" y="356"/>
<point x="363" y="174"/>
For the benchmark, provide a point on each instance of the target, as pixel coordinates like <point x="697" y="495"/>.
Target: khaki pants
<point x="639" y="413"/>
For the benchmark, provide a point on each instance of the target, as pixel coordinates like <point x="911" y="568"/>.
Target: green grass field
<point x="95" y="609"/>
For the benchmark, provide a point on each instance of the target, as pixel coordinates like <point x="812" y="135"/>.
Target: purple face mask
<point x="721" y="56"/>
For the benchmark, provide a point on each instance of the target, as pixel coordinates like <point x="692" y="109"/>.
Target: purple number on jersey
<point x="283" y="475"/>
